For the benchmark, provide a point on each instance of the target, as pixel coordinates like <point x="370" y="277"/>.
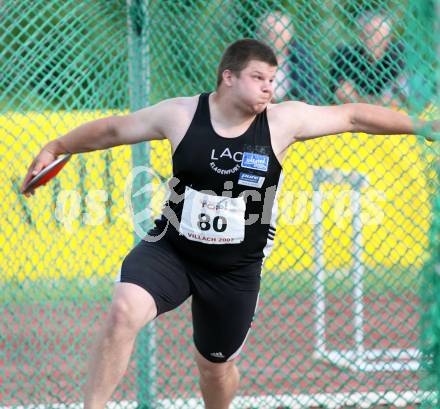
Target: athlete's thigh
<point x="223" y="307"/>
<point x="159" y="270"/>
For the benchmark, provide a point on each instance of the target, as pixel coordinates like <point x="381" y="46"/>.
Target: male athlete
<point x="218" y="224"/>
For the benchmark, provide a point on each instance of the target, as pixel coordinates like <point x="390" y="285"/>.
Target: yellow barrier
<point x="395" y="205"/>
<point x="36" y="244"/>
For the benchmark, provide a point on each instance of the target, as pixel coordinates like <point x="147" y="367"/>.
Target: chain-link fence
<point x="349" y="308"/>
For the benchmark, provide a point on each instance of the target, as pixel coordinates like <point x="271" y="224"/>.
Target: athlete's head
<point x="247" y="68"/>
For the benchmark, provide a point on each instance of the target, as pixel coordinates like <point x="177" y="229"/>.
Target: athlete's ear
<point x="227" y="77"/>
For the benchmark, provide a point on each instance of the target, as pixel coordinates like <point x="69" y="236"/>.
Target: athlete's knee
<point x="213" y="371"/>
<point x="120" y="316"/>
<point x="217" y="372"/>
<point x="131" y="309"/>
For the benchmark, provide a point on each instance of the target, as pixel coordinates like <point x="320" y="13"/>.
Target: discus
<point x="46" y="174"/>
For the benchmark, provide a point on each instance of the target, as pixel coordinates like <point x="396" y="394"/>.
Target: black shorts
<point x="223" y="304"/>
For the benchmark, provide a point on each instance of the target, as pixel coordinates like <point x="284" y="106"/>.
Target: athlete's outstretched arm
<point x="143" y="125"/>
<point x="309" y="121"/>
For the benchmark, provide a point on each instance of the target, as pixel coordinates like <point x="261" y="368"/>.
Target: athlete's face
<point x="254" y="86"/>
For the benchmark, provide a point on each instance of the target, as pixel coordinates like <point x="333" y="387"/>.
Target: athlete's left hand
<point x="432" y="133"/>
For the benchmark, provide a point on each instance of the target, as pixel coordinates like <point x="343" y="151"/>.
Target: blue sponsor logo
<point x="255" y="161"/>
<point x="251" y="180"/>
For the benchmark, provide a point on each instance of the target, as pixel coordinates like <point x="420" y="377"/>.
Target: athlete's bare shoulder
<point x="180" y="103"/>
<point x="174" y="108"/>
<point x="282" y="124"/>
<point x="284" y="110"/>
<point x="168" y="119"/>
<point x="179" y="113"/>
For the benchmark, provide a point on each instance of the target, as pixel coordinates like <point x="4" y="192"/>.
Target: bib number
<point x="212" y="219"/>
<point x="219" y="223"/>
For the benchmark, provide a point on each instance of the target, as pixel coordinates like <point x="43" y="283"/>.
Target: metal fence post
<point x="139" y="94"/>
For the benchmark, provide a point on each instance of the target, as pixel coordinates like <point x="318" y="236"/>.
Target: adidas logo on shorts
<point x="217" y="354"/>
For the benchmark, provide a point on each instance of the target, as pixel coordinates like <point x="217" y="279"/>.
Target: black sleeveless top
<point x="231" y="223"/>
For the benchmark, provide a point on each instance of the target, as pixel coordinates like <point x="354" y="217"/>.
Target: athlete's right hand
<point x="44" y="158"/>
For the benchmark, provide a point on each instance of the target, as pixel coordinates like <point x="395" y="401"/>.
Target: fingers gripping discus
<point x="48" y="173"/>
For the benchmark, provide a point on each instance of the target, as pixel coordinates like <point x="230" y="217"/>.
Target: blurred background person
<point x="297" y="76"/>
<point x="372" y="69"/>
